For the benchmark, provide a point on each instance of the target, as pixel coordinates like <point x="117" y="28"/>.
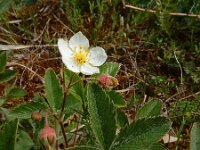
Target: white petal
<point x="79" y="40"/>
<point x="64" y="48"/>
<point x="71" y="64"/>
<point x="97" y="56"/>
<point x="87" y="69"/>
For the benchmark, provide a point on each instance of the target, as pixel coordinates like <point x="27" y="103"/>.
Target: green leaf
<point x="2" y="100"/>
<point x="77" y="88"/>
<point x="5" y="5"/>
<point x="121" y="118"/>
<point x="141" y="134"/>
<point x="7" y="75"/>
<point x="8" y="135"/>
<point x="24" y="141"/>
<point x="3" y="60"/>
<point x="16" y="93"/>
<point x="117" y="99"/>
<point x="24" y="111"/>
<point x="72" y="105"/>
<point x="156" y="146"/>
<point x="30" y="2"/>
<point x="53" y="89"/>
<point x="82" y="148"/>
<point x="195" y="137"/>
<point x="110" y="68"/>
<point x="101" y="115"/>
<point x="150" y="109"/>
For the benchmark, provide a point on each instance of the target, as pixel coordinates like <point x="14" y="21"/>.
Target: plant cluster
<point x="99" y="121"/>
<point x="155" y="55"/>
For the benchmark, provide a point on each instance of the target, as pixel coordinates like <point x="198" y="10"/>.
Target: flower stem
<point x="64" y="135"/>
<point x="83" y="79"/>
<point x="66" y="89"/>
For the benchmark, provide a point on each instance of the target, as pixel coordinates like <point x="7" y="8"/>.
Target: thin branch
<point x="171" y="13"/>
<point x="186" y="97"/>
<point x="14" y="47"/>
<point x="130" y="88"/>
<point x="63" y="23"/>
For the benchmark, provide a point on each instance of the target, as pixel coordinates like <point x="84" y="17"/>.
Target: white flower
<point x="79" y="57"/>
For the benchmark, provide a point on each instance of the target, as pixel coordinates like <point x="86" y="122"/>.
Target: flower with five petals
<point x="79" y="57"/>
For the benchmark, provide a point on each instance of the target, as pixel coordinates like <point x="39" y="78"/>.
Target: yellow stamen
<point x="80" y="57"/>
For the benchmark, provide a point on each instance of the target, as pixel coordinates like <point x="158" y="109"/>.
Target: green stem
<point x="179" y="133"/>
<point x="180" y="129"/>
<point x="83" y="79"/>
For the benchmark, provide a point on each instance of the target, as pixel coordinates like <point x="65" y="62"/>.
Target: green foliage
<point x="24" y="141"/>
<point x="101" y="115"/>
<point x="192" y="70"/>
<point x="76" y="81"/>
<point x="8" y="135"/>
<point x="2" y="100"/>
<point x="73" y="104"/>
<point x="156" y="146"/>
<point x="185" y="108"/>
<point x="53" y="90"/>
<point x="195" y="138"/>
<point x="7" y="75"/>
<point x="15" y="93"/>
<point x="149" y="36"/>
<point x="121" y="119"/>
<point x="110" y="68"/>
<point x="24" y="111"/>
<point x="5" y="5"/>
<point x="142" y="133"/>
<point x="3" y="61"/>
<point x="82" y="148"/>
<point x="150" y="109"/>
<point x="117" y="99"/>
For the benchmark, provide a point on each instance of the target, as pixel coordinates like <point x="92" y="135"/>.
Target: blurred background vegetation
<point x="159" y="52"/>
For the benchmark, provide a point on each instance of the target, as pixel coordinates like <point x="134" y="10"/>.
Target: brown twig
<point x="63" y="23"/>
<point x="171" y="13"/>
<point x="18" y="64"/>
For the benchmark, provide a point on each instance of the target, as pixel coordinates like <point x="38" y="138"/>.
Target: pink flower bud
<point x="107" y="81"/>
<point x="47" y="133"/>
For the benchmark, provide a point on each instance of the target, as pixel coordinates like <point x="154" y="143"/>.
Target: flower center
<point x="80" y="57"/>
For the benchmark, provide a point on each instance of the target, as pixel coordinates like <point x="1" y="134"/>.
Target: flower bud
<point x="47" y="134"/>
<point x="36" y="116"/>
<point x="107" y="81"/>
